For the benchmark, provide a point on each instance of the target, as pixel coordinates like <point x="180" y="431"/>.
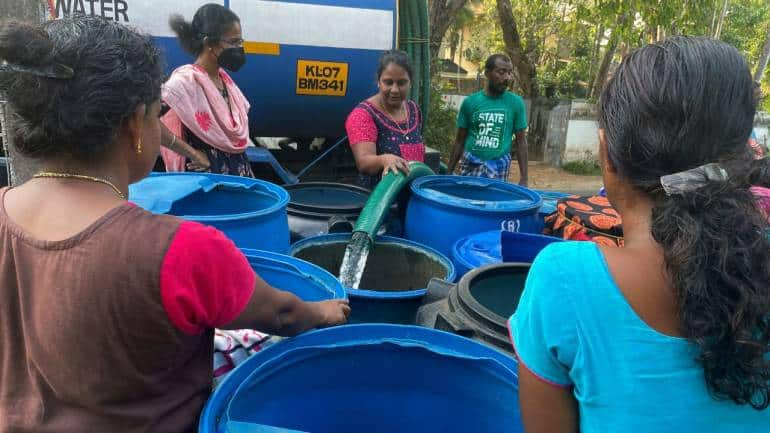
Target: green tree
<point x="441" y="14"/>
<point x="573" y="45"/>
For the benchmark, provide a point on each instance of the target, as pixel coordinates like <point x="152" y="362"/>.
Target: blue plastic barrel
<point x="251" y="212"/>
<point x="306" y="280"/>
<point x="369" y="378"/>
<point x="444" y="209"/>
<point x="395" y="278"/>
<point x="476" y="250"/>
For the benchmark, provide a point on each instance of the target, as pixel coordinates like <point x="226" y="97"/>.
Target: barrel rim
<point x="376" y="294"/>
<point x="474" y="308"/>
<point x="444" y="200"/>
<point x="280" y="194"/>
<point x="319" y="210"/>
<point x="348" y="333"/>
<point x="323" y="275"/>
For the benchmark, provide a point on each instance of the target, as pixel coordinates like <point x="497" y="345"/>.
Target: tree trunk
<point x="442" y="13"/>
<point x="763" y="59"/>
<point x="676" y="27"/>
<point x="21" y="168"/>
<point x="454" y="40"/>
<point x="720" y="23"/>
<point x="609" y="53"/>
<point x="601" y="75"/>
<point x="594" y="57"/>
<point x="524" y="70"/>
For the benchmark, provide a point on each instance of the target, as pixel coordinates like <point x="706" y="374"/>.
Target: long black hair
<point x="72" y="82"/>
<point x="210" y="21"/>
<point x="675" y="106"/>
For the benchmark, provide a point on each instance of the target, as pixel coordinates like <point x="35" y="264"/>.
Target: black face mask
<point x="232" y="59"/>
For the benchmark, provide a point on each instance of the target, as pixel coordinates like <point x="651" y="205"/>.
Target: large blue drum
<point x="444" y="209"/>
<point x="251" y="212"/>
<point x="369" y="378"/>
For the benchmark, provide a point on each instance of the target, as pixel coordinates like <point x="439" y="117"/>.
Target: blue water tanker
<point x="395" y="278"/>
<point x="443" y="209"/>
<point x="251" y="212"/>
<point x="309" y="62"/>
<point x="369" y="378"/>
<point x="306" y="280"/>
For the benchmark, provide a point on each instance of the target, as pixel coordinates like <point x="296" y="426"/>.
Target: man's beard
<point x="498" y="89"/>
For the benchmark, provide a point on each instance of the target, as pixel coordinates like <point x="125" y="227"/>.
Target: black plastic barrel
<point x="479" y="305"/>
<point x="319" y="208"/>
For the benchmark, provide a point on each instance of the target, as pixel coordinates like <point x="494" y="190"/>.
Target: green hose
<point x="383" y="196"/>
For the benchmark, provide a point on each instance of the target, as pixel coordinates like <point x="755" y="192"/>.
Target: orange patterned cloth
<point x="581" y="218"/>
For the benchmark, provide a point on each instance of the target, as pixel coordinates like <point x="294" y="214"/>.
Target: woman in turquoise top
<point x="669" y="333"/>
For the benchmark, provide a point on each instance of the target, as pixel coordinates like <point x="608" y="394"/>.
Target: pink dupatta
<point x="196" y="103"/>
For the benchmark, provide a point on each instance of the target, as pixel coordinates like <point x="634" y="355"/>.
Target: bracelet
<point x="173" y="140"/>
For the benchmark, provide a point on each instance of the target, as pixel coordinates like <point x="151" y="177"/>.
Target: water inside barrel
<point x="499" y="290"/>
<point x="390" y="267"/>
<point x="223" y="202"/>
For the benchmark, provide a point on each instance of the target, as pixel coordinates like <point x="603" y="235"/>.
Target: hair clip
<point x="690" y="180"/>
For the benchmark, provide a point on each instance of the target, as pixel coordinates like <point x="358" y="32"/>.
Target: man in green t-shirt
<point x="486" y="125"/>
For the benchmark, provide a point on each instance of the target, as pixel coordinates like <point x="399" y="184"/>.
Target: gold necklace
<point x="48" y="174"/>
<point x="398" y="125"/>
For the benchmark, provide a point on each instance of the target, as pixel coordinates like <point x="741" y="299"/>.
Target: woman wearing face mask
<point x="384" y="130"/>
<point x="205" y="107"/>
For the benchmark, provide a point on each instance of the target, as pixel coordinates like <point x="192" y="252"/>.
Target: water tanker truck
<point x="309" y="62"/>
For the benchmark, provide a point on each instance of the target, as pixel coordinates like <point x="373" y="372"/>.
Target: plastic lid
<point x="476" y="193"/>
<point x="478" y="249"/>
<point x="327" y="197"/>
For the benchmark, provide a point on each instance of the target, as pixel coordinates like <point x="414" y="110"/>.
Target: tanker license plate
<point x="322" y="78"/>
